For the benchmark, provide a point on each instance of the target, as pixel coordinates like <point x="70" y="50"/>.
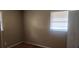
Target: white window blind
<point x="1" y="25"/>
<point x="59" y="21"/>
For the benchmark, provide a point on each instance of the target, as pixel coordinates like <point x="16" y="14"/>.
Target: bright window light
<point x="1" y="25"/>
<point x="59" y="21"/>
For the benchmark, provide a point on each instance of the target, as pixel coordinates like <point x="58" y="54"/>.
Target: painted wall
<point x="13" y="27"/>
<point x="36" y="26"/>
<point x="73" y="34"/>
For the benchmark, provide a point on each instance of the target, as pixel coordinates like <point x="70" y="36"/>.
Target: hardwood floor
<point x="24" y="45"/>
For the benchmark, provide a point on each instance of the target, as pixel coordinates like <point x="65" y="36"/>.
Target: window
<point x="1" y="26"/>
<point x="59" y="21"/>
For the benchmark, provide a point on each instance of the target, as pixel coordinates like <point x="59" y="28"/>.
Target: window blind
<point x="59" y="21"/>
<point x="1" y="25"/>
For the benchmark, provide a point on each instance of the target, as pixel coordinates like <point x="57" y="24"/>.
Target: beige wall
<point x="36" y="24"/>
<point x="13" y="27"/>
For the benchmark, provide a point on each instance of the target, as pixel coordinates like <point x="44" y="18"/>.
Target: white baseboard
<point x="27" y="43"/>
<point x="15" y="44"/>
<point x="37" y="45"/>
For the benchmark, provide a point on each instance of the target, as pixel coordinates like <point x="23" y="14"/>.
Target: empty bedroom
<point x="39" y="29"/>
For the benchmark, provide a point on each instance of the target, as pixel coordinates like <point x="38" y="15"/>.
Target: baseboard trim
<point x="15" y="44"/>
<point x="37" y="44"/>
